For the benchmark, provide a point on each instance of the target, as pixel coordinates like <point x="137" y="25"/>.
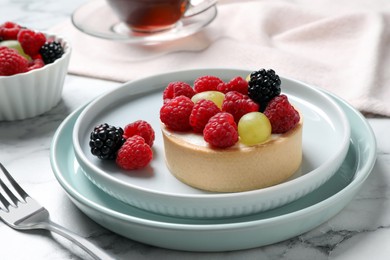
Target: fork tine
<point x="4" y="201"/>
<point x="16" y="186"/>
<point x="13" y="198"/>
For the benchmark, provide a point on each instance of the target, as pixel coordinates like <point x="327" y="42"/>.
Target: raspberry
<point x="281" y="114"/>
<point x="201" y="113"/>
<point x="206" y="83"/>
<point x="35" y="64"/>
<point x="221" y="131"/>
<point x="175" y="113"/>
<point x="134" y="154"/>
<point x="235" y="96"/>
<point x="11" y="62"/>
<point x="178" y="88"/>
<point x="51" y="51"/>
<point x="141" y="128"/>
<point x="238" y="105"/>
<point x="9" y="31"/>
<point x="263" y="86"/>
<point x="236" y="84"/>
<point x="31" y="41"/>
<point x="105" y="140"/>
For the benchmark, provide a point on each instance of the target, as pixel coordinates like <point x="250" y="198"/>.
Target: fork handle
<point x="91" y="249"/>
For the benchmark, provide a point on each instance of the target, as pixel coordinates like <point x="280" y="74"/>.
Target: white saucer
<point x="326" y="133"/>
<point x="97" y="19"/>
<point x="229" y="234"/>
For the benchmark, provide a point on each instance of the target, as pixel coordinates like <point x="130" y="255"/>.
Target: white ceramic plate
<point x="325" y="143"/>
<point x="88" y="19"/>
<point x="218" y="234"/>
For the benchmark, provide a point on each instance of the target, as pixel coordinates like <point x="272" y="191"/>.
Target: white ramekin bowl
<point x="30" y="94"/>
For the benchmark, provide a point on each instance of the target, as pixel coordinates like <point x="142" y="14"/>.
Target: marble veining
<point x="360" y="231"/>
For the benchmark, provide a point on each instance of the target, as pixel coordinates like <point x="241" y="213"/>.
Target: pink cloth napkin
<point x="341" y="46"/>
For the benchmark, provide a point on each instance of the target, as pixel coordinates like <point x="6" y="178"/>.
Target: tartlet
<point x="245" y="136"/>
<point x="238" y="168"/>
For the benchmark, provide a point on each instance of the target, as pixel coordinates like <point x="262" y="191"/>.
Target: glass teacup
<point x="148" y="16"/>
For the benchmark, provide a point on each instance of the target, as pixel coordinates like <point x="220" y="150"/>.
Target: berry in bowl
<point x="33" y="66"/>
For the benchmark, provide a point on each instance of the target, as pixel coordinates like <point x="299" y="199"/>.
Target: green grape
<point x="13" y="44"/>
<point x="215" y="96"/>
<point x="254" y="128"/>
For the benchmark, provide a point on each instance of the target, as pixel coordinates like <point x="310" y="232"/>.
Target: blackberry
<point x="105" y="141"/>
<point x="51" y="51"/>
<point x="263" y="86"/>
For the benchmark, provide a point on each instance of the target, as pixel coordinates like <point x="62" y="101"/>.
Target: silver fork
<point x="28" y="214"/>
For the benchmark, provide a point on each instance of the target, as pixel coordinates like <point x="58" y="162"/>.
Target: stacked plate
<point x="153" y="207"/>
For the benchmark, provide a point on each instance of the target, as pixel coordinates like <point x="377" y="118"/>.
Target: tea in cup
<point x="148" y="16"/>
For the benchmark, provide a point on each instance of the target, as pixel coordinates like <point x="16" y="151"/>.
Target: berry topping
<point x="206" y="83"/>
<point x="175" y="113"/>
<point x="281" y="114"/>
<point x="236" y="84"/>
<point x="238" y="105"/>
<point x="221" y="131"/>
<point x="134" y="154"/>
<point x="9" y="31"/>
<point x="201" y="113"/>
<point x="232" y="112"/>
<point x="178" y="88"/>
<point x="11" y="62"/>
<point x="254" y="128"/>
<point x="105" y="140"/>
<point x="263" y="86"/>
<point x="215" y="96"/>
<point x="51" y="51"/>
<point x="234" y="96"/>
<point x="141" y="128"/>
<point x="31" y="41"/>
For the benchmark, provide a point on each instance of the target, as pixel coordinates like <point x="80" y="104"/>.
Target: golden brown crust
<point x="239" y="168"/>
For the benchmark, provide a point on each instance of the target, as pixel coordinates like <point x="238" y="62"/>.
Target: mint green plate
<point x="225" y="234"/>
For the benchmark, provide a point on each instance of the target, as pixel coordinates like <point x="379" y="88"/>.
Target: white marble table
<point x="360" y="231"/>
